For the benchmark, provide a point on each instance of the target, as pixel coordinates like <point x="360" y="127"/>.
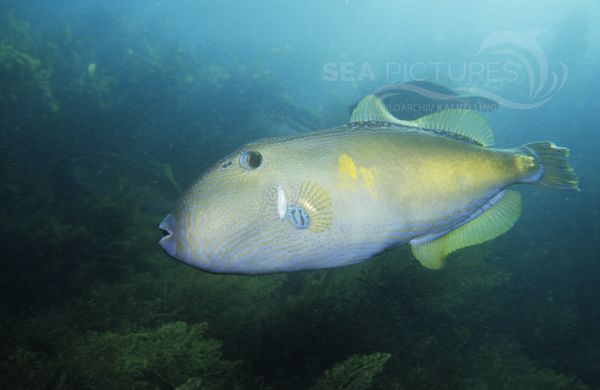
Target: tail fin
<point x="555" y="169"/>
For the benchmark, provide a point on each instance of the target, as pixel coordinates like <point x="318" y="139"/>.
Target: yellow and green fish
<point x="337" y="197"/>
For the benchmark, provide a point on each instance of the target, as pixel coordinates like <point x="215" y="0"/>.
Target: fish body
<point x="340" y="196"/>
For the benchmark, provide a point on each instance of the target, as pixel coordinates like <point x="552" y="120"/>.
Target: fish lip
<point x="168" y="241"/>
<point x="165" y="227"/>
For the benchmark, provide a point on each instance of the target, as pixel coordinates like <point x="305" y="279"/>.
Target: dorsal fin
<point x="462" y="123"/>
<point x="372" y="109"/>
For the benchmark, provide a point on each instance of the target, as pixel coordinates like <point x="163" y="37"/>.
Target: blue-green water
<point x="109" y="109"/>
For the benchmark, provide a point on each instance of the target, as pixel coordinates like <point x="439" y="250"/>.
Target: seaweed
<point x="171" y="355"/>
<point x="27" y="64"/>
<point x="354" y="373"/>
<point x="499" y="364"/>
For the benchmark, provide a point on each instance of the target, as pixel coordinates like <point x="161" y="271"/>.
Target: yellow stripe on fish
<point x="347" y="168"/>
<point x="352" y="176"/>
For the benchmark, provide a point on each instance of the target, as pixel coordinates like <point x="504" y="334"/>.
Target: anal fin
<point x="493" y="222"/>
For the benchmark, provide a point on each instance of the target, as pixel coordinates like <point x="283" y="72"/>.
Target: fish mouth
<point x="168" y="241"/>
<point x="166" y="232"/>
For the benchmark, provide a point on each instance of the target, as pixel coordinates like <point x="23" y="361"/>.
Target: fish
<point x="338" y="197"/>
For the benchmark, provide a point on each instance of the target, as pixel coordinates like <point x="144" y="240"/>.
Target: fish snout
<point x="168" y="240"/>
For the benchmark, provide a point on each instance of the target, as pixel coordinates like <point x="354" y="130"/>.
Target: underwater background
<point x="108" y="110"/>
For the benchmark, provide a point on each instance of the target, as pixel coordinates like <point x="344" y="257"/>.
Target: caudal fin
<point x="555" y="170"/>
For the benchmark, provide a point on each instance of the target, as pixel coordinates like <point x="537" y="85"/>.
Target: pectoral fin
<point x="493" y="222"/>
<point x="315" y="200"/>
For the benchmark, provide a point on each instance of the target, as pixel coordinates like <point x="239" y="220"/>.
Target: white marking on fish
<point x="281" y="203"/>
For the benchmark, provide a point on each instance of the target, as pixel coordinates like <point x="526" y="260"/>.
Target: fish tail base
<point x="553" y="169"/>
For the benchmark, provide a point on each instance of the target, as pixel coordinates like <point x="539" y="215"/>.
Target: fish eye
<point x="250" y="159"/>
